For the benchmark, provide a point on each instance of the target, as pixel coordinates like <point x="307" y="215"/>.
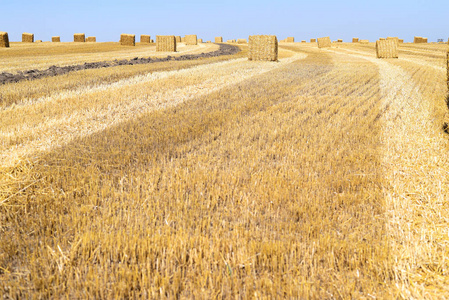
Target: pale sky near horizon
<point x="107" y="19"/>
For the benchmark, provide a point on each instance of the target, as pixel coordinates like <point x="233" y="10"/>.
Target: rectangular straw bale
<point x="303" y="41"/>
<point x="241" y="41"/>
<point x="400" y="41"/>
<point x="364" y="41"/>
<point x="386" y="49"/>
<point x="419" y="40"/>
<point x="39" y="41"/>
<point x="4" y="40"/>
<point x="424" y="40"/>
<point x="324" y="42"/>
<point x="313" y="40"/>
<point x="381" y="39"/>
<point x="79" y="37"/>
<point x="200" y="41"/>
<point x="218" y="39"/>
<point x="91" y="39"/>
<point x="178" y="39"/>
<point x="183" y="39"/>
<point x="229" y="41"/>
<point x="152" y="41"/>
<point x="447" y="76"/>
<point x="56" y="39"/>
<point x="263" y="47"/>
<point x="145" y="38"/>
<point x="27" y="37"/>
<point x="191" y="39"/>
<point x="290" y="39"/>
<point x="339" y="41"/>
<point x="355" y="40"/>
<point x="165" y="43"/>
<point x="127" y="39"/>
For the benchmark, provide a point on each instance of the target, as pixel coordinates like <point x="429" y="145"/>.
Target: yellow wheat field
<point x="323" y="175"/>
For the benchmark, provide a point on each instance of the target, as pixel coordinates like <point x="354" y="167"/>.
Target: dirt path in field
<point x="33" y="74"/>
<point x="416" y="167"/>
<point x="33" y="133"/>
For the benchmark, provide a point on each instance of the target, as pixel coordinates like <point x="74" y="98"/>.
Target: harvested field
<point x="79" y="38"/>
<point x="320" y="176"/>
<point x="27" y="37"/>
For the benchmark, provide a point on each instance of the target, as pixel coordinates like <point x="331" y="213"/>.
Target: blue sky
<point x="107" y="19"/>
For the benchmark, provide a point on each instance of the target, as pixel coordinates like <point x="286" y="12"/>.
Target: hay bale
<point x="183" y="40"/>
<point x="27" y="37"/>
<point x="447" y="76"/>
<point x="145" y="39"/>
<point x="303" y="41"/>
<point x="313" y="40"/>
<point x="218" y="39"/>
<point x="178" y="39"/>
<point x="56" y="39"/>
<point x="38" y="41"/>
<point x="339" y="41"/>
<point x="241" y="41"/>
<point x="324" y="42"/>
<point x="79" y="38"/>
<point x="400" y="41"/>
<point x="355" y="40"/>
<point x="4" y="40"/>
<point x="127" y="39"/>
<point x="91" y="39"/>
<point x="419" y="40"/>
<point x="152" y="41"/>
<point x="381" y="39"/>
<point x="191" y="39"/>
<point x="229" y="41"/>
<point x="263" y="47"/>
<point x="200" y="41"/>
<point x="165" y="43"/>
<point x="364" y="41"/>
<point x="290" y="39"/>
<point x="386" y="49"/>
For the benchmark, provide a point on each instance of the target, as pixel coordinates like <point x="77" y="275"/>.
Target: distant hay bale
<point x="263" y="47"/>
<point x="290" y="39"/>
<point x="400" y="41"/>
<point x="419" y="40"/>
<point x="395" y="39"/>
<point x="339" y="41"/>
<point x="208" y="42"/>
<point x="145" y="39"/>
<point x="4" y="40"/>
<point x="127" y="39"/>
<point x="303" y="41"/>
<point x="241" y="41"/>
<point x="381" y="39"/>
<point x="79" y="38"/>
<point x="324" y="42"/>
<point x="200" y="41"/>
<point x="386" y="49"/>
<point x="218" y="39"/>
<point x="27" y="37"/>
<point x="56" y="39"/>
<point x="191" y="39"/>
<point x="183" y="40"/>
<point x="165" y="43"/>
<point x="91" y="39"/>
<point x="178" y="39"/>
<point x="364" y="41"/>
<point x="313" y="40"/>
<point x="355" y="40"/>
<point x="39" y="41"/>
<point x="229" y="41"/>
<point x="152" y="41"/>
